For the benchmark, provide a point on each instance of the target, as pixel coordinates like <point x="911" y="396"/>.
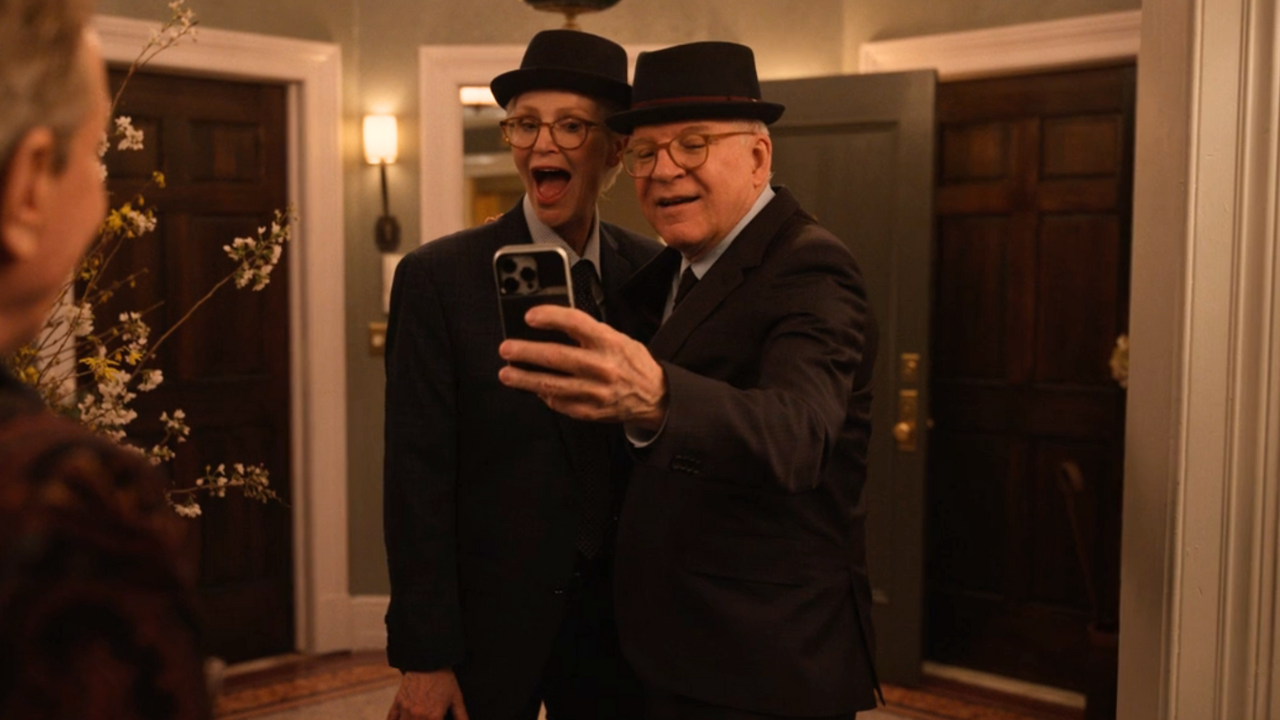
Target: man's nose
<point x="664" y="166"/>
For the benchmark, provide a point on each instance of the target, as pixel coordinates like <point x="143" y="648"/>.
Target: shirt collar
<point x="542" y="233"/>
<point x="705" y="262"/>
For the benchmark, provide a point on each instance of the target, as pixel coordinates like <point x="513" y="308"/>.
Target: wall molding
<point x="442" y="69"/>
<point x="1199" y="637"/>
<point x="313" y="73"/>
<point x="1010" y="49"/>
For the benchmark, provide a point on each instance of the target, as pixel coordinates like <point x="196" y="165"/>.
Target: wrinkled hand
<point x="610" y="378"/>
<point x="428" y="696"/>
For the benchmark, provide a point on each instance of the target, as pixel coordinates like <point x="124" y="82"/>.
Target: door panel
<point x="1032" y="274"/>
<point x="221" y="146"/>
<point x="858" y="153"/>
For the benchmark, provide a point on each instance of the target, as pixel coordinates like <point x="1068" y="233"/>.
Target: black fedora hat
<point x="568" y="60"/>
<point x="697" y="81"/>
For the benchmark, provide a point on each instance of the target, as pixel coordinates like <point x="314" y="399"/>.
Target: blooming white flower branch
<point x="130" y="137"/>
<point x="252" y="480"/>
<point x="93" y="371"/>
<point x="258" y="256"/>
<point x="181" y="24"/>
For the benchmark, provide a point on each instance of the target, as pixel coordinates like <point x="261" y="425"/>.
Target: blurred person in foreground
<point x="499" y="513"/>
<point x="96" y="614"/>
<point x="741" y="581"/>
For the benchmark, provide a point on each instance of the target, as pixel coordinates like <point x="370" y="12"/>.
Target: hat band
<point x="692" y="99"/>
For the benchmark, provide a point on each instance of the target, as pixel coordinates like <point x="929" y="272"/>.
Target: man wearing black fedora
<point x="500" y="515"/>
<point x="741" y="586"/>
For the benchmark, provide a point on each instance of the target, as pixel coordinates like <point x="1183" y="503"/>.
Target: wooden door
<point x="1032" y="268"/>
<point x="858" y="151"/>
<point x="221" y="146"/>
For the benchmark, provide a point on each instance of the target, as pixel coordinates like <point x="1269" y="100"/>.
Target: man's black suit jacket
<point x="741" y="563"/>
<point x="481" y="502"/>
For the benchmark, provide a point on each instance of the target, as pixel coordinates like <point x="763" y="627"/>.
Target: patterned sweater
<point x="97" y="617"/>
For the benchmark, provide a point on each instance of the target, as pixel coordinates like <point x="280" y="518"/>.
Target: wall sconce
<point x="380" y="148"/>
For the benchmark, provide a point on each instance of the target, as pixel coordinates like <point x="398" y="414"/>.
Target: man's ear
<point x="616" y="148"/>
<point x="761" y="159"/>
<point x="25" y="192"/>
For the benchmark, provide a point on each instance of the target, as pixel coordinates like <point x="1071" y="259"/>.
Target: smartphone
<point x="529" y="275"/>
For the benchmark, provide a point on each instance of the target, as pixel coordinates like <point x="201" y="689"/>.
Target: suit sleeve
<point x="424" y="626"/>
<point x="777" y="420"/>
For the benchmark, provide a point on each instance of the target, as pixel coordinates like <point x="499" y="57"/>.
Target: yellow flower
<point x="103" y="368"/>
<point x="115" y="220"/>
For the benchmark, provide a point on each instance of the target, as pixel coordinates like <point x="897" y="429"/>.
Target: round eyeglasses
<point x="688" y="151"/>
<point x="567" y="133"/>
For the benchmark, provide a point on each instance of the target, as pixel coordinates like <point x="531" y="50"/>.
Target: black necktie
<point x="593" y="440"/>
<point x="687" y="281"/>
<point x="584" y="280"/>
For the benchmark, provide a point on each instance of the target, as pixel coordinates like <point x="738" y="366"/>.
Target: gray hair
<point x="41" y="81"/>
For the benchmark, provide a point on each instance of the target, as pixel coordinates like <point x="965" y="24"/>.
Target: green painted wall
<point x="379" y="40"/>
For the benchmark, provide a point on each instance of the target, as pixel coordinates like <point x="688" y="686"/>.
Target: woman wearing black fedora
<point x="499" y="513"/>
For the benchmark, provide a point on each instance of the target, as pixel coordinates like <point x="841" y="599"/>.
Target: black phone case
<point x="526" y="276"/>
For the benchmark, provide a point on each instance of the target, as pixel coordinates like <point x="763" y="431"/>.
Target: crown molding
<point x="1010" y="49"/>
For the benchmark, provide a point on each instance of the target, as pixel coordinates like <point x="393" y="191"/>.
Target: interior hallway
<point x="360" y="686"/>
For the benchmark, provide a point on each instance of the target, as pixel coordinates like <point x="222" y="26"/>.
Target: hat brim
<point x="511" y="84"/>
<point x="625" y="122"/>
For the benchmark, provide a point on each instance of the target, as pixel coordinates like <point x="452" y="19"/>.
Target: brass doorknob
<point x="903" y="431"/>
<point x="908" y="415"/>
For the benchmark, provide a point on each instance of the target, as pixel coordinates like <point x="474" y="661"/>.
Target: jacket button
<point x="558" y="591"/>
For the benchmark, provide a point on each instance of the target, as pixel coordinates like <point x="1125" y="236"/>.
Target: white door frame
<point x="318" y="416"/>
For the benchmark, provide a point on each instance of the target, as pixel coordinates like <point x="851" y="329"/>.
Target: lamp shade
<point x="571" y="8"/>
<point x="574" y="6"/>
<point x="380" y="139"/>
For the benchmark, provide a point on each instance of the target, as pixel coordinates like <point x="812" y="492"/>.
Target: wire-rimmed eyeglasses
<point x="688" y="151"/>
<point x="567" y="133"/>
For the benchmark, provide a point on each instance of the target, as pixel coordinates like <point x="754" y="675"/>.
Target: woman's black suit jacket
<point x="481" y="504"/>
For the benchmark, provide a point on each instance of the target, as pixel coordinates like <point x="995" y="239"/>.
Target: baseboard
<point x="368" y="624"/>
<point x="1005" y="685"/>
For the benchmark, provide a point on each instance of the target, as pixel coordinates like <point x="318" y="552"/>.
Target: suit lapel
<point x="745" y="254"/>
<point x="646" y="292"/>
<point x="615" y="270"/>
<point x="512" y="229"/>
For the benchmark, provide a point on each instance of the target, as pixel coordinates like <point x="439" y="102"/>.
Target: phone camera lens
<point x="510" y="285"/>
<point x="528" y="274"/>
<point x="506" y="264"/>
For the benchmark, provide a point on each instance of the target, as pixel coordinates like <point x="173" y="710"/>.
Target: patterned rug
<point x="301" y="681"/>
<point x="296" y="682"/>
